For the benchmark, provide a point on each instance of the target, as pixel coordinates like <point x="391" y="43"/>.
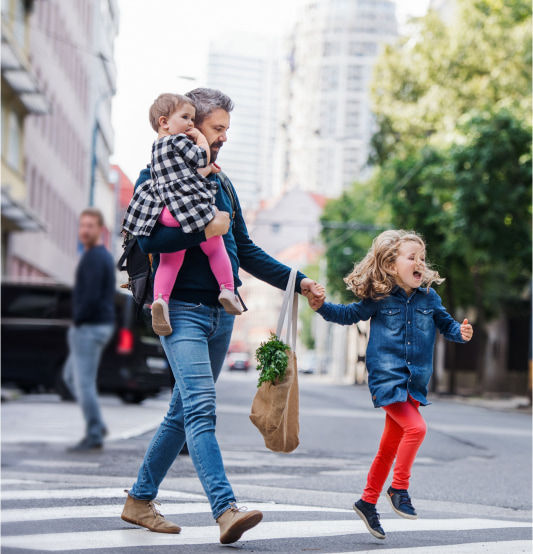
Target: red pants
<point x="404" y="432"/>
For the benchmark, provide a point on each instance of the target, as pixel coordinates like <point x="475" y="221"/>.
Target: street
<point x="471" y="482"/>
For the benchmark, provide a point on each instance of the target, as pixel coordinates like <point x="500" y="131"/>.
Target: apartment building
<point x="66" y="152"/>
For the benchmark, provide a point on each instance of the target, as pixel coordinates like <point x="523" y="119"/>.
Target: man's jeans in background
<point x="195" y="350"/>
<point x="86" y="344"/>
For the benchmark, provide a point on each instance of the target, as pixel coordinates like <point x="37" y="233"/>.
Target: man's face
<point x="214" y="127"/>
<point x="89" y="231"/>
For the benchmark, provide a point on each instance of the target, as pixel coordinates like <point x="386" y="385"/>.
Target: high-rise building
<point x="245" y="68"/>
<point x="66" y="153"/>
<point x="326" y="121"/>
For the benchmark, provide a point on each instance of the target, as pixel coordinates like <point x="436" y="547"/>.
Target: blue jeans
<point x="86" y="344"/>
<point x="195" y="350"/>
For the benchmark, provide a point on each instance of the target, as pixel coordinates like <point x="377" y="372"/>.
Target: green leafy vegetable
<point x="273" y="360"/>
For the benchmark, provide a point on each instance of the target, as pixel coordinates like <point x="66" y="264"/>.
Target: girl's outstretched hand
<point x="466" y="330"/>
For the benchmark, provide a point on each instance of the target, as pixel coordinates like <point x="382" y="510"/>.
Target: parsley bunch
<point x="273" y="360"/>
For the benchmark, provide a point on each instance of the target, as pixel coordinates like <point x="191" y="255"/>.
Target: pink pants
<point x="170" y="263"/>
<point x="404" y="432"/>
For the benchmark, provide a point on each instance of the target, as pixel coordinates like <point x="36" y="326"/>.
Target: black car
<point x="35" y="320"/>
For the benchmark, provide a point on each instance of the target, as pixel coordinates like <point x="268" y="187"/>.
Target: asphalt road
<point x="471" y="482"/>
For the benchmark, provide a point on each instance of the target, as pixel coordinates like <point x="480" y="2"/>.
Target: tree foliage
<point x="452" y="154"/>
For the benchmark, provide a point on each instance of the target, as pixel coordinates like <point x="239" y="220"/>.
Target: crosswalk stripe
<point x="499" y="547"/>
<point x="114" y="510"/>
<point x="49" y="494"/>
<point x="56" y="542"/>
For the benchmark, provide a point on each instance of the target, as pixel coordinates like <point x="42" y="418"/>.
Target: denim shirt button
<point x="409" y="323"/>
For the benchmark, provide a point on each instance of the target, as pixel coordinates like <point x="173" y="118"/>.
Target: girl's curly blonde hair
<point x="372" y="276"/>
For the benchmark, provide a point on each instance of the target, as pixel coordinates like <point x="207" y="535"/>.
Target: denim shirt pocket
<point x="391" y="318"/>
<point x="424" y="319"/>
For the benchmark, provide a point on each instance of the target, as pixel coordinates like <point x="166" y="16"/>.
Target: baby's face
<point x="182" y="120"/>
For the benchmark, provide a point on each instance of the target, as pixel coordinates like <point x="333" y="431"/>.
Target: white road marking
<point x="107" y="492"/>
<point x="479" y="429"/>
<point x="20" y="482"/>
<point x="167" y="509"/>
<point x="509" y="547"/>
<point x="59" y="463"/>
<point x="55" y="542"/>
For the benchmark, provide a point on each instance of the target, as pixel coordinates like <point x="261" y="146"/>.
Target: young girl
<point x="179" y="194"/>
<point x="393" y="282"/>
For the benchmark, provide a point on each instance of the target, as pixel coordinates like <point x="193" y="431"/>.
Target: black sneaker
<point x="401" y="503"/>
<point x="367" y="512"/>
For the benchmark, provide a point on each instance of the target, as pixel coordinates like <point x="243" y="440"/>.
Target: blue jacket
<point x="196" y="282"/>
<point x="399" y="355"/>
<point x="94" y="289"/>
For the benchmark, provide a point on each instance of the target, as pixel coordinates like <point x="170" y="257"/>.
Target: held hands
<point x="466" y="330"/>
<point x="315" y="293"/>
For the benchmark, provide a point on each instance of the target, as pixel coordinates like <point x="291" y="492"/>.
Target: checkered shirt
<point x="175" y="184"/>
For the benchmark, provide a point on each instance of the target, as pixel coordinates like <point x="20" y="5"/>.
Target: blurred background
<point x="351" y="117"/>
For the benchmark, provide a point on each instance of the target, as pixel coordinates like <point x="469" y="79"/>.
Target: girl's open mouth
<point x="417" y="275"/>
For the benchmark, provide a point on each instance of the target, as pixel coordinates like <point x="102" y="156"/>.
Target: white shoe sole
<point x="160" y="319"/>
<point x="230" y="302"/>
<point x="401" y="514"/>
<point x="370" y="530"/>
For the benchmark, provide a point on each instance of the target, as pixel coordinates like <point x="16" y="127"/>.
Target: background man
<point x="93" y="314"/>
<point x="198" y="345"/>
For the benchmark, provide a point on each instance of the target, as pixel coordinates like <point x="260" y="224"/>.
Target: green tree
<point x="425" y="83"/>
<point x="349" y="224"/>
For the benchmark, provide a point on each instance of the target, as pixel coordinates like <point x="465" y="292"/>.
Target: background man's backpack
<point x="138" y="266"/>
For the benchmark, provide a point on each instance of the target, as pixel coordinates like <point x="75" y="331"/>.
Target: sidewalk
<point x="489" y="401"/>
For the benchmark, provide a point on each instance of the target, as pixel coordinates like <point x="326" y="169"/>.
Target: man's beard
<point x="214" y="153"/>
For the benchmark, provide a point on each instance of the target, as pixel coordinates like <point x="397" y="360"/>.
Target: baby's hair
<point x="165" y="105"/>
<point x="372" y="277"/>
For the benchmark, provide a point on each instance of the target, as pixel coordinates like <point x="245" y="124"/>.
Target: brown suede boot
<point x="235" y="521"/>
<point x="145" y="514"/>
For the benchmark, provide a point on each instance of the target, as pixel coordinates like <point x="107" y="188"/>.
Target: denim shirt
<point x="399" y="355"/>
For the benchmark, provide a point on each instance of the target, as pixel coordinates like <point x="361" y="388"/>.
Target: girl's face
<point x="181" y="121"/>
<point x="409" y="265"/>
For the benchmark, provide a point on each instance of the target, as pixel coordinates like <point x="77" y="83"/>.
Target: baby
<point x="179" y="194"/>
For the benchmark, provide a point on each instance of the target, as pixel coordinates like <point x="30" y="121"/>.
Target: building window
<point x="14" y="141"/>
<point x="19" y="23"/>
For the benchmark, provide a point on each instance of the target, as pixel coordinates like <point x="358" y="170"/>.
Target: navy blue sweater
<point x="196" y="283"/>
<point x="94" y="289"/>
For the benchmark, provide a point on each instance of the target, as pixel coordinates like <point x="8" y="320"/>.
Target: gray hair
<point x="207" y="100"/>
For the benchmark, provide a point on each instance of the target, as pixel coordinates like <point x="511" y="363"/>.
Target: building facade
<point x="326" y="122"/>
<point x="22" y="96"/>
<point x="66" y="152"/>
<point x="245" y="68"/>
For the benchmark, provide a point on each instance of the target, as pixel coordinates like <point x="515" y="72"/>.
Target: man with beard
<point x="199" y="342"/>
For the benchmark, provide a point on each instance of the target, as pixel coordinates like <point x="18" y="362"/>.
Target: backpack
<point x="138" y="264"/>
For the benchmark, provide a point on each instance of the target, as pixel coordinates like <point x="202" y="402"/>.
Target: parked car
<point x="239" y="361"/>
<point x="35" y="320"/>
<point x="308" y="363"/>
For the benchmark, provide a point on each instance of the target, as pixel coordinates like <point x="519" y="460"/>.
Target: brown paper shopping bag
<point x="275" y="408"/>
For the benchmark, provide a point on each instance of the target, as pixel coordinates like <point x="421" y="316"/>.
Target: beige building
<point x="65" y="153"/>
<point x="22" y="96"/>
